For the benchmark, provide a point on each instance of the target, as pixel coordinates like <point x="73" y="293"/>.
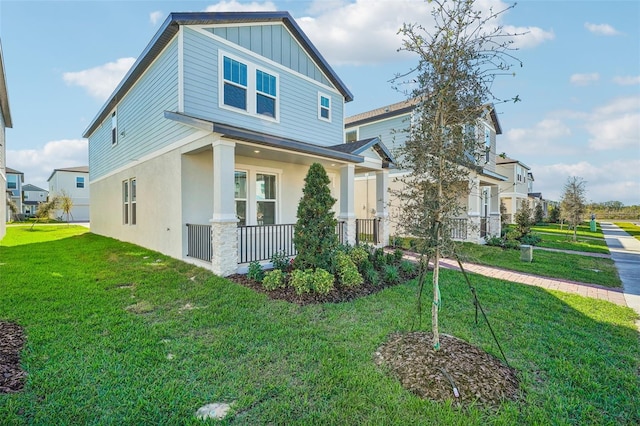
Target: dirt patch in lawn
<point x="478" y="377"/>
<point x="11" y="341"/>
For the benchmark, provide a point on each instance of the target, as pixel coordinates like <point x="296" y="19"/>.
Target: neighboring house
<point x="518" y="186"/>
<point x="74" y="182"/>
<point x="5" y="121"/>
<point x="201" y="151"/>
<point x="15" y="179"/>
<point x="32" y="196"/>
<point x="389" y="124"/>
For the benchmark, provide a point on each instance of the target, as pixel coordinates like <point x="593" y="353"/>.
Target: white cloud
<point x="616" y="125"/>
<point x="366" y="31"/>
<point x="546" y="136"/>
<point x="627" y="80"/>
<point x="615" y="181"/>
<point x="584" y="79"/>
<point x="236" y="6"/>
<point x="38" y="164"/>
<point x="102" y="80"/>
<point x="601" y="29"/>
<point x="155" y="17"/>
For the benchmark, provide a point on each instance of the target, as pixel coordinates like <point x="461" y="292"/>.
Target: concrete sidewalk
<point x="625" y="252"/>
<point x="612" y="295"/>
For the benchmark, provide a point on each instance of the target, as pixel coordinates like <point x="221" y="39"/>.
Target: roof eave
<point x="4" y="94"/>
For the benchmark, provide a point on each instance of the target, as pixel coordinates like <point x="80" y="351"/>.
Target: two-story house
<point x="5" y="121"/>
<point x="74" y="182"/>
<point x="517" y="187"/>
<point x="202" y="149"/>
<point x="32" y="196"/>
<point x="15" y="179"/>
<point x="389" y="125"/>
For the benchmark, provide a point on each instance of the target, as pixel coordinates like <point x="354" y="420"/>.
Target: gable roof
<point x="78" y="169"/>
<point x="358" y="147"/>
<point x="507" y="160"/>
<point x="4" y="95"/>
<point x="401" y="108"/>
<point x="28" y="187"/>
<point x="170" y="28"/>
<point x="13" y="171"/>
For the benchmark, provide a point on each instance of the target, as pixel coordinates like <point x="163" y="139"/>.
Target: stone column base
<point x="224" y="247"/>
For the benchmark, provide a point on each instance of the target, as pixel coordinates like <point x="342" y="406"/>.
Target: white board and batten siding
<point x="300" y="81"/>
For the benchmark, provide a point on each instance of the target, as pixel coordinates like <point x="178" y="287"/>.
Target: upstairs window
<point x="247" y="88"/>
<point x="79" y="182"/>
<point x="351" y="136"/>
<point x="235" y="83"/>
<point x="265" y="94"/>
<point x="114" y="128"/>
<point x="324" y="107"/>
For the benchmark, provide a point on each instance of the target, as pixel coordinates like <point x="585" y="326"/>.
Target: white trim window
<point x="324" y="107"/>
<point x="266" y="185"/>
<point x="114" y="129"/>
<point x="248" y="88"/>
<point x="256" y="195"/>
<point x="79" y="182"/>
<point x="241" y="196"/>
<point x="129" y="206"/>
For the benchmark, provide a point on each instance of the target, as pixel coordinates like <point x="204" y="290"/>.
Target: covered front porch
<point x="240" y="193"/>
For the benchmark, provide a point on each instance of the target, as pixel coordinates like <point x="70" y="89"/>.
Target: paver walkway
<point x="595" y="291"/>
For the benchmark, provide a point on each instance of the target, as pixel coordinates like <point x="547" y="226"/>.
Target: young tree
<point x="13" y="208"/>
<point x="504" y="217"/>
<point x="523" y="218"/>
<point x="459" y="57"/>
<point x="554" y="214"/>
<point x="46" y="209"/>
<point x="538" y="213"/>
<point x="573" y="202"/>
<point x="315" y="235"/>
<point x="65" y="203"/>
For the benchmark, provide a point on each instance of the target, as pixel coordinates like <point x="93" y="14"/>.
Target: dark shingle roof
<point x="29" y="187"/>
<point x="170" y="28"/>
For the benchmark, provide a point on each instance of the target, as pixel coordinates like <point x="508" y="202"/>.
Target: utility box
<point x="526" y="253"/>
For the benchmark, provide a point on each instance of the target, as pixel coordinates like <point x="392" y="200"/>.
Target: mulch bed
<point x="11" y="341"/>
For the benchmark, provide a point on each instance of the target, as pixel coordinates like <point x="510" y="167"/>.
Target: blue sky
<point x="579" y="86"/>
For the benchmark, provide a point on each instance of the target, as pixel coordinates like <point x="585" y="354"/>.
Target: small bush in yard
<point x="530" y="239"/>
<point x="391" y="274"/>
<point x="407" y="268"/>
<point x="365" y="265"/>
<point x="347" y="271"/>
<point x="323" y="281"/>
<point x="255" y="272"/>
<point x="378" y="258"/>
<point x="494" y="241"/>
<point x="389" y="259"/>
<point x="302" y="280"/>
<point x="280" y="260"/>
<point x="397" y="256"/>
<point x="273" y="279"/>
<point x="359" y="254"/>
<point x="371" y="275"/>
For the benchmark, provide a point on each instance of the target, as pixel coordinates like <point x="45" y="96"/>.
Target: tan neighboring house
<point x="387" y="125"/>
<point x="5" y="121"/>
<point x="74" y="181"/>
<point x="518" y="186"/>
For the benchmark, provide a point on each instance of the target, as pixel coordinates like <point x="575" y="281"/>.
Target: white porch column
<point x="495" y="226"/>
<point x="382" y="205"/>
<point x="474" y="209"/>
<point x="347" y="204"/>
<point x="224" y="234"/>
<point x="514" y="207"/>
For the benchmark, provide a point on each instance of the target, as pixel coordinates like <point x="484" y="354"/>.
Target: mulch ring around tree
<point x="338" y="295"/>
<point x="11" y="342"/>
<point x="480" y="378"/>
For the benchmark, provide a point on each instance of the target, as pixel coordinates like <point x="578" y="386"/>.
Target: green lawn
<point x="584" y="230"/>
<point x="568" y="266"/>
<point x="629" y="228"/>
<point x="117" y="334"/>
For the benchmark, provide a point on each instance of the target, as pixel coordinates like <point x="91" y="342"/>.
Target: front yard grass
<point x="592" y="270"/>
<point x="584" y="230"/>
<point x="630" y="228"/>
<point x="118" y="334"/>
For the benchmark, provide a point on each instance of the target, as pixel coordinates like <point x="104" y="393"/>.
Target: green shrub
<point x="397" y="256"/>
<point x="511" y="244"/>
<point x="323" y="281"/>
<point x="273" y="279"/>
<point x="359" y="254"/>
<point x="378" y="258"/>
<point x="280" y="260"/>
<point x="389" y="259"/>
<point x="302" y="280"/>
<point x="366" y="264"/>
<point x="315" y="231"/>
<point x="371" y="275"/>
<point x="255" y="272"/>
<point x="347" y="271"/>
<point x="494" y="241"/>
<point x="530" y="239"/>
<point x="391" y="274"/>
<point x="407" y="268"/>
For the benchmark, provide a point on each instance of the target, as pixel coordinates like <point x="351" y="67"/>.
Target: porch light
<point x="257" y="151"/>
